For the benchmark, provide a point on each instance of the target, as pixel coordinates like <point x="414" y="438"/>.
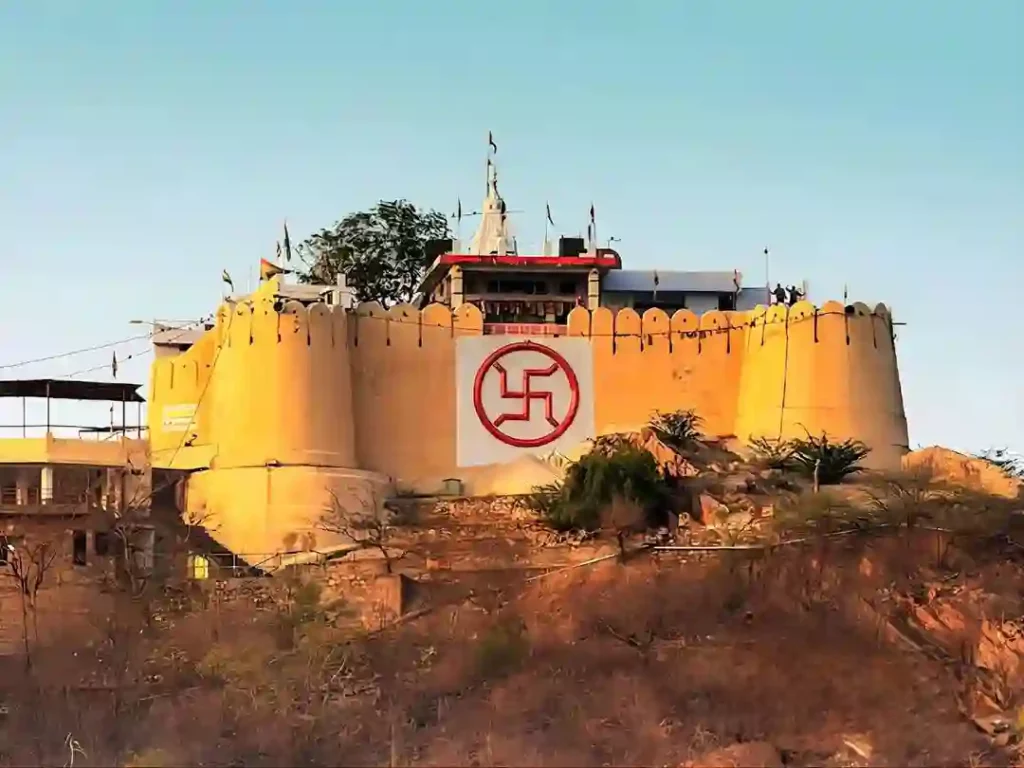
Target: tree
<point x="382" y="251"/>
<point x="28" y="565"/>
<point x="369" y="527"/>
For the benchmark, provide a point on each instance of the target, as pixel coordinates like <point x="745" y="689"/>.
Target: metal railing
<point x="81" y="431"/>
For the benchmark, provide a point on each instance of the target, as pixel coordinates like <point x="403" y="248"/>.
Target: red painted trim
<point x="601" y="262"/>
<point x="489" y="425"/>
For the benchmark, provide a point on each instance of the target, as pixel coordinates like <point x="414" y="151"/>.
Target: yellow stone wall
<point x="299" y="405"/>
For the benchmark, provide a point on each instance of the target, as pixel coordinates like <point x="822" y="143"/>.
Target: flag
<point x="490" y="141"/>
<point x="654" y="293"/>
<point x="458" y="212"/>
<point x="227" y="279"/>
<point x="845" y="293"/>
<point x="736" y="279"/>
<point x="277" y="252"/>
<point x="591" y="213"/>
<point x="547" y="208"/>
<point x="287" y="244"/>
<point x="113" y="366"/>
<point x="269" y="269"/>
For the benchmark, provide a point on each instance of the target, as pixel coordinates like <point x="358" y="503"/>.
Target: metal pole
<point x="138" y="421"/>
<point x="47" y="408"/>
<point x="24" y="418"/>
<point x="124" y="417"/>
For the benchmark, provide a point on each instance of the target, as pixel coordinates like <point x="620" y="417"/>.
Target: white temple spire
<point x="494" y="236"/>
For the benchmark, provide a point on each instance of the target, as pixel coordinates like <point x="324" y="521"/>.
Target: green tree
<point x="382" y="251"/>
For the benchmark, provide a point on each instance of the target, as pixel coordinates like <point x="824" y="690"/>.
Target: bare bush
<point x="28" y="564"/>
<point x="368" y="523"/>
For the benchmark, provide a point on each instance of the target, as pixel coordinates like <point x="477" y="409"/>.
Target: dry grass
<point x="649" y="662"/>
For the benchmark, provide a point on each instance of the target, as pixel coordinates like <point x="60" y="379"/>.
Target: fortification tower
<point x="272" y="437"/>
<point x="830" y="369"/>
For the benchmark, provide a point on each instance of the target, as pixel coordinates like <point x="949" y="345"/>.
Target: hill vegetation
<point x="784" y="606"/>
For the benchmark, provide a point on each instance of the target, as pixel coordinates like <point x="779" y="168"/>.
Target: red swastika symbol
<point x="526" y="394"/>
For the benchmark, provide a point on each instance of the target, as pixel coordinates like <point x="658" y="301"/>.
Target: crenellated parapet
<point x="296" y="383"/>
<point x="311" y="394"/>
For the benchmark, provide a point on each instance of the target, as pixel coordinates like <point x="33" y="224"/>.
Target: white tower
<point x="494" y="235"/>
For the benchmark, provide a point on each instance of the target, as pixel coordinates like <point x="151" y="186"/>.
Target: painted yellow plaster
<point x="290" y="401"/>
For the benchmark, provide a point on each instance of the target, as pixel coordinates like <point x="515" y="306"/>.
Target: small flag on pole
<point x="490" y="141"/>
<point x="269" y="269"/>
<point x="113" y="366"/>
<point x="227" y="279"/>
<point x="547" y="208"/>
<point x="287" y="244"/>
<point x="277" y="252"/>
<point x="458" y="212"/>
<point x="846" y="293"/>
<point x="591" y="213"/>
<point x="654" y="293"/>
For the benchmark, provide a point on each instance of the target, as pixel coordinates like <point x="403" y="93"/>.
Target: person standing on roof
<point x="780" y="294"/>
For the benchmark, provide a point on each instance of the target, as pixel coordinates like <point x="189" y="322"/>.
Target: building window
<point x="727" y="302"/>
<point x="78" y="548"/>
<point x="527" y="287"/>
<point x="102" y="543"/>
<point x="198" y="567"/>
<point x="9" y="494"/>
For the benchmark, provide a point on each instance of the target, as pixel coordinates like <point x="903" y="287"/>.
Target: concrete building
<point x="71" y="490"/>
<point x="522" y="294"/>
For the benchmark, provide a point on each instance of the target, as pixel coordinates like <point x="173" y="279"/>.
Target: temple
<point x="534" y="294"/>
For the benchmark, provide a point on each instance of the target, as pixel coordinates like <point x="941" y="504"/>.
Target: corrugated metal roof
<point x="67" y="389"/>
<point x="685" y="282"/>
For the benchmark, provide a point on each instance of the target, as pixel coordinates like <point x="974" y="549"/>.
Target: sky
<point x="147" y="146"/>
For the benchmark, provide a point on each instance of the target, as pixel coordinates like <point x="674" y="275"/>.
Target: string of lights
<point x="147" y="498"/>
<point x="695" y="333"/>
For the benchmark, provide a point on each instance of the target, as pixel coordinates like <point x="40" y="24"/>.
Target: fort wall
<point x="293" y="405"/>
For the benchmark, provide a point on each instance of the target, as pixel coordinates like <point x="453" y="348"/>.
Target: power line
<point x="102" y="366"/>
<point x="74" y="352"/>
<point x="183" y="328"/>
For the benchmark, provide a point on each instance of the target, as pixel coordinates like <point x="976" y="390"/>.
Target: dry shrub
<point x="648" y="663"/>
<point x="633" y="665"/>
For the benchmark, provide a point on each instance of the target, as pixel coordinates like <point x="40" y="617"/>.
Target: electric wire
<point x="97" y="347"/>
<point x="74" y="352"/>
<point x="148" y="350"/>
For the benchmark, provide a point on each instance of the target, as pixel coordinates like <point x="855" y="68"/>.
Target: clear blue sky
<point x="146" y="146"/>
